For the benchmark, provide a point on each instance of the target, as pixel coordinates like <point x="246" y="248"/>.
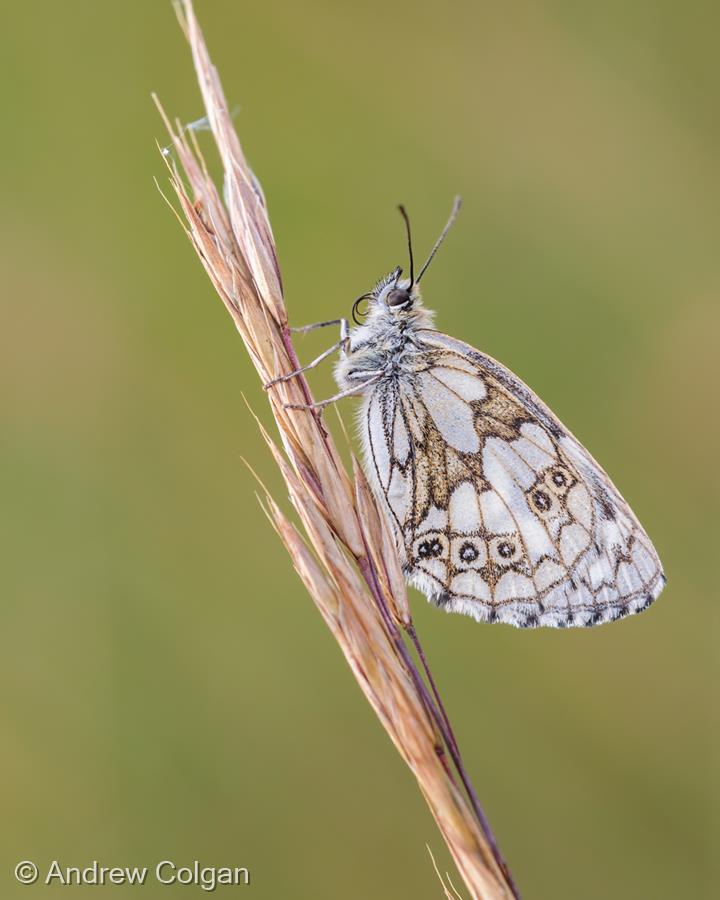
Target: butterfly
<point x="499" y="512"/>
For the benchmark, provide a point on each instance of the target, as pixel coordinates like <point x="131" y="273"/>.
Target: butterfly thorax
<point x="385" y="345"/>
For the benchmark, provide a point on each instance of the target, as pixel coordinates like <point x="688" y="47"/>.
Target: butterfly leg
<point x="348" y="392"/>
<point x="343" y="323"/>
<point x="343" y="344"/>
<point x="305" y="368"/>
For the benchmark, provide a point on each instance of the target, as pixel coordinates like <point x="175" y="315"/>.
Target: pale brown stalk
<point x="347" y="559"/>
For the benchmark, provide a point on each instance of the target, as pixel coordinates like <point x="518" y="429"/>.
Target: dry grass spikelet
<point x="347" y="558"/>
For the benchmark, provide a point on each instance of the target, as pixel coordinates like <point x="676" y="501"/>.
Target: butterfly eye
<point x="398" y="297"/>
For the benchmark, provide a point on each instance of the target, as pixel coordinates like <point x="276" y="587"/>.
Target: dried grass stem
<point x="348" y="560"/>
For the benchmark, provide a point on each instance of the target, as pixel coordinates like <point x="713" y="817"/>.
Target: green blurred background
<point x="167" y="688"/>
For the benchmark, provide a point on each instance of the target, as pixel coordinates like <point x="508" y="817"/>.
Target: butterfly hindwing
<point x="500" y="513"/>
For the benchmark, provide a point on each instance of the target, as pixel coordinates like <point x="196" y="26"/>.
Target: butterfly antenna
<point x="443" y="235"/>
<point x="403" y="213"/>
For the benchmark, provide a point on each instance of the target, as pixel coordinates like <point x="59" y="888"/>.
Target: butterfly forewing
<point x="499" y="512"/>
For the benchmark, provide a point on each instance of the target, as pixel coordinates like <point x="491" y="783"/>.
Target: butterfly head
<point x="392" y="296"/>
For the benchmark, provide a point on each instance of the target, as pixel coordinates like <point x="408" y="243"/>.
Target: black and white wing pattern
<point x="500" y="513"/>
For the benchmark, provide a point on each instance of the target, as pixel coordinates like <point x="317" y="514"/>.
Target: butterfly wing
<point x="500" y="513"/>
